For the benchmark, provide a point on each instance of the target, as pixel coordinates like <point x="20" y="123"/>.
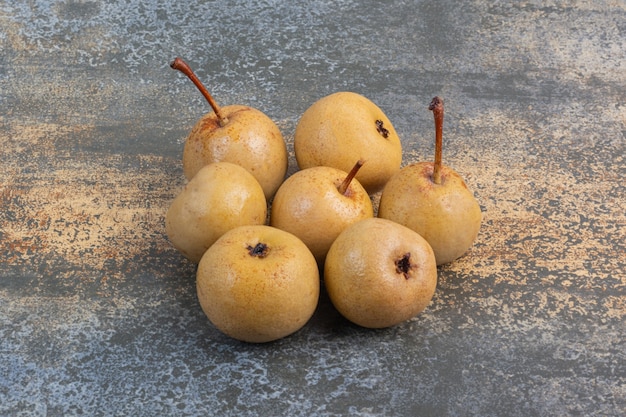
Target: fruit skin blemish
<point x="343" y="127"/>
<point x="379" y="273"/>
<point x="260" y="250"/>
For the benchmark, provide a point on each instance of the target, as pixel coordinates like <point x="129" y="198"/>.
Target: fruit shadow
<point x="329" y="324"/>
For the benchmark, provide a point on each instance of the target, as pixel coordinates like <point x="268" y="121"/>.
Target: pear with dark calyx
<point x="344" y="127"/>
<point x="433" y="200"/>
<point x="318" y="203"/>
<point x="258" y="284"/>
<point x="379" y="273"/>
<point x="238" y="134"/>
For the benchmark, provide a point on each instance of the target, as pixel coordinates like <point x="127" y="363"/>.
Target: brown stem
<point x="436" y="105"/>
<point x="180" y="65"/>
<point x="343" y="187"/>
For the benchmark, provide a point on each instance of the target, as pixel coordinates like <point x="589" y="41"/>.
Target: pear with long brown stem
<point x="238" y="134"/>
<point x="433" y="200"/>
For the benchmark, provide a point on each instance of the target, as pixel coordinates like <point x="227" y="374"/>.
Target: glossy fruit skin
<point x="309" y="205"/>
<point x="220" y="197"/>
<point x="258" y="299"/>
<point x="341" y="128"/>
<point x="249" y="139"/>
<point x="447" y="215"/>
<point x="361" y="276"/>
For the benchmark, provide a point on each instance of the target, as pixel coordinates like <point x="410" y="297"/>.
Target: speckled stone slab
<point x="98" y="312"/>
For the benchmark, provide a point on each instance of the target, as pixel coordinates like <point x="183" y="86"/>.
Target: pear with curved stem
<point x="239" y="134"/>
<point x="318" y="203"/>
<point x="433" y="200"/>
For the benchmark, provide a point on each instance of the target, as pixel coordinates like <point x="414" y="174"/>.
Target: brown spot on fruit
<point x="209" y="123"/>
<point x="403" y="265"/>
<point x="260" y="250"/>
<point x="381" y="129"/>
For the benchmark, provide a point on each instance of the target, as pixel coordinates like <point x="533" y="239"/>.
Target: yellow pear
<point x="379" y="273"/>
<point x="258" y="284"/>
<point x="238" y="134"/>
<point x="433" y="200"/>
<point x="344" y="127"/>
<point x="318" y="203"/>
<point x="220" y="197"/>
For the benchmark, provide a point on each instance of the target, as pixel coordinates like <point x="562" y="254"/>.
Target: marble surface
<point x="98" y="313"/>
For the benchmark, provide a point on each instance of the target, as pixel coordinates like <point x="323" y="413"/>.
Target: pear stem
<point x="343" y="187"/>
<point x="180" y="65"/>
<point x="436" y="106"/>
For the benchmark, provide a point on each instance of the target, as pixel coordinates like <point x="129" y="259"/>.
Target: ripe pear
<point x="433" y="200"/>
<point x="238" y="134"/>
<point x="344" y="127"/>
<point x="258" y="284"/>
<point x="220" y="197"/>
<point x="318" y="203"/>
<point x="379" y="273"/>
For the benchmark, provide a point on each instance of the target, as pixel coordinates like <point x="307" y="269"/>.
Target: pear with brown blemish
<point x="379" y="273"/>
<point x="433" y="200"/>
<point x="344" y="127"/>
<point x="258" y="283"/>
<point x="238" y="134"/>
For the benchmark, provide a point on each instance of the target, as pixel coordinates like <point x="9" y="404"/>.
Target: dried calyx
<point x="403" y="265"/>
<point x="260" y="250"/>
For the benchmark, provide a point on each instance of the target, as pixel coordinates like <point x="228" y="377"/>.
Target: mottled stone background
<point x="98" y="313"/>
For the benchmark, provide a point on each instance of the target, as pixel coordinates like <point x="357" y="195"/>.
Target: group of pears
<point x="264" y="243"/>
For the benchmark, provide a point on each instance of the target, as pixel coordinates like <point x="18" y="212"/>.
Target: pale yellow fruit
<point x="310" y="205"/>
<point x="249" y="139"/>
<point x="447" y="215"/>
<point x="341" y="128"/>
<point x="258" y="284"/>
<point x="220" y="197"/>
<point x="379" y="273"/>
